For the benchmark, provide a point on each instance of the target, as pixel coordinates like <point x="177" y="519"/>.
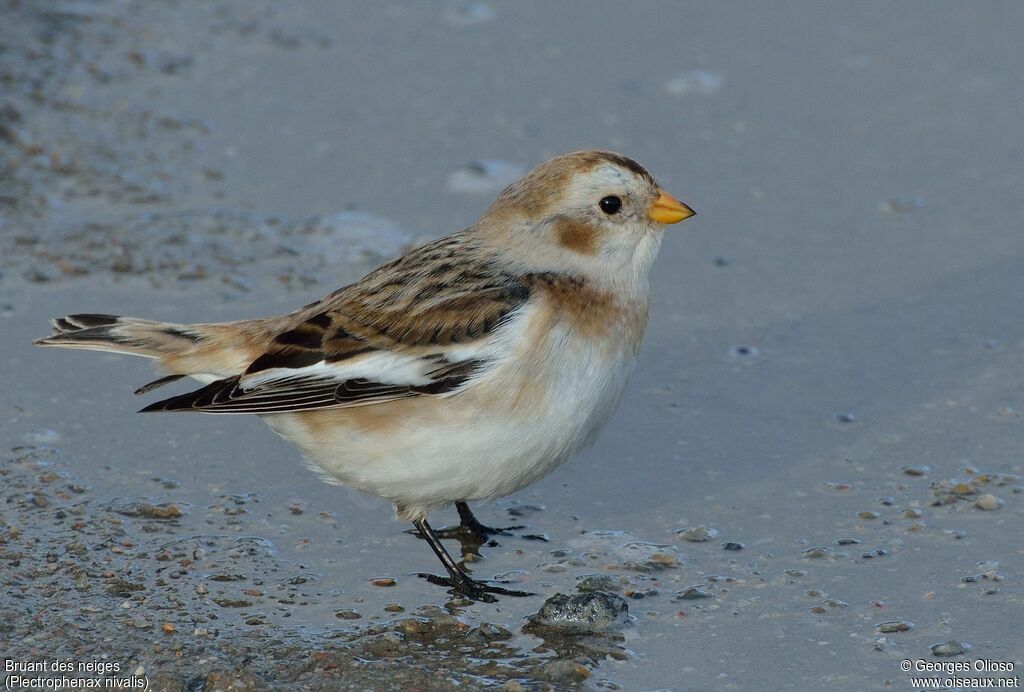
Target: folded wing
<point x="417" y="327"/>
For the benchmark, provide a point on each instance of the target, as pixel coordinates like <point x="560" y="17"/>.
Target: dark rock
<point x="588" y="613"/>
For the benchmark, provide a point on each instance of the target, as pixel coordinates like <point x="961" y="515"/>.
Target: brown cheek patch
<point x="578" y="237"/>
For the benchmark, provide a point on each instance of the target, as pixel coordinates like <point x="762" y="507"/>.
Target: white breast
<point x="543" y="403"/>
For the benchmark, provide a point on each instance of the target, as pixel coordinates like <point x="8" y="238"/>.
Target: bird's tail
<point x="207" y="352"/>
<point x="121" y="335"/>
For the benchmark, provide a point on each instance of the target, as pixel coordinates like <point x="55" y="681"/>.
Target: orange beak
<point x="668" y="209"/>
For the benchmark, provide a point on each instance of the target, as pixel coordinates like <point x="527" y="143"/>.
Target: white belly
<point x="506" y="431"/>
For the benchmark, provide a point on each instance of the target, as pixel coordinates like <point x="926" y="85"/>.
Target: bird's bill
<point x="668" y="209"/>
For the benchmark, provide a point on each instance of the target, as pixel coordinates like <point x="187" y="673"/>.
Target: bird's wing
<point x="422" y="325"/>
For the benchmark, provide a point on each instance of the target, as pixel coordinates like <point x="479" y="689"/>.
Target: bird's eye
<point x="610" y="204"/>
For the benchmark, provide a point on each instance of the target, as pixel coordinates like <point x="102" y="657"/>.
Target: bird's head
<point x="596" y="214"/>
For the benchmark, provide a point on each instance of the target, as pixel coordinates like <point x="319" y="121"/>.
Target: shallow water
<point x="832" y="377"/>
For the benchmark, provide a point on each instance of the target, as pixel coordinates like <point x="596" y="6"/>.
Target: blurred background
<point x="824" y="433"/>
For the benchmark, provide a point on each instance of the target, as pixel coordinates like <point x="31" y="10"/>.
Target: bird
<point x="462" y="371"/>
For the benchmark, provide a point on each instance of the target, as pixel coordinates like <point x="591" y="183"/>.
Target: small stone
<point x="168" y="628"/>
<point x="232" y="602"/>
<point x="988" y="502"/>
<point x="870" y="514"/>
<point x="950" y="648"/>
<point x="394" y="608"/>
<point x="819" y="552"/>
<point x="732" y="546"/>
<point x="565" y="671"/>
<point x="382" y="581"/>
<point x="598" y="582"/>
<point x="697" y="534"/>
<point x="847" y="541"/>
<point x="892" y="626"/>
<point x="347" y="615"/>
<point x="921" y="470"/>
<point x="589" y="613"/>
<point x="488" y="632"/>
<point x="744" y="351"/>
<point x="693" y="593"/>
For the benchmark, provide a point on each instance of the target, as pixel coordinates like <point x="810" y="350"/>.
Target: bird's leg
<point x="471" y="525"/>
<point x="470" y="532"/>
<point x="458" y="579"/>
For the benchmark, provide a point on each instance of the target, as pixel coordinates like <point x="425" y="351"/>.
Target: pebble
<point x="697" y="534"/>
<point x="819" y="552"/>
<point x="565" y="671"/>
<point x="489" y="633"/>
<point x="988" y="502"/>
<point x="382" y="581"/>
<point x="732" y="546"/>
<point x="599" y="582"/>
<point x="693" y="593"/>
<point x="589" y="613"/>
<point x="347" y="615"/>
<point x="891" y="626"/>
<point x="921" y="470"/>
<point x="950" y="648"/>
<point x="744" y="351"/>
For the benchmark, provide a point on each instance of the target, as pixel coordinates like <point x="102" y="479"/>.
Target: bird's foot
<point x="461" y="584"/>
<point x="473" y="532"/>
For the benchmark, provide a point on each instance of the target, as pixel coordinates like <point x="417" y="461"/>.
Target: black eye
<point x="610" y="204"/>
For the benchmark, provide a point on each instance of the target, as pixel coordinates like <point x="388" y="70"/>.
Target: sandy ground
<point x="817" y="470"/>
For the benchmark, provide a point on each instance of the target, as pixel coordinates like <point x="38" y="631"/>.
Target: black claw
<point x="472" y="535"/>
<point x="458" y="581"/>
<point x="472" y="589"/>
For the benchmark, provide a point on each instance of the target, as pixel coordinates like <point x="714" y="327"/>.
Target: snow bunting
<point x="462" y="371"/>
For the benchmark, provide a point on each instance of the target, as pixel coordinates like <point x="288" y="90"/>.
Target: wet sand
<point x="815" y="474"/>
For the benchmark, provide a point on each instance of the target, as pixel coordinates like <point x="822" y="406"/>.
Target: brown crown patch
<point x="534" y="192"/>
